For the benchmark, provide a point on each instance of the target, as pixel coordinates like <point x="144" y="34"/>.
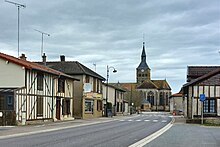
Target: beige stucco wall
<point x="11" y="75"/>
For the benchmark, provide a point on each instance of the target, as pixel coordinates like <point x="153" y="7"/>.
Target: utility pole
<point x="22" y="6"/>
<point x="42" y="39"/>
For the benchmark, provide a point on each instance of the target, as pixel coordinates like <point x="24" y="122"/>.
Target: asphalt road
<point x="117" y="133"/>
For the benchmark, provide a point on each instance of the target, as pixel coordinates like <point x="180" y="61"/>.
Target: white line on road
<point x="152" y="136"/>
<point x="146" y="120"/>
<point x="130" y="120"/>
<point x="138" y="120"/>
<point x="155" y="120"/>
<point x="122" y="120"/>
<point x="164" y="121"/>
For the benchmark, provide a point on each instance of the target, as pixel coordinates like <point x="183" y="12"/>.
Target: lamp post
<point x="114" y="71"/>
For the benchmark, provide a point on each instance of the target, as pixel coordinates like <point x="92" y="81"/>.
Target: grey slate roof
<point x="72" y="68"/>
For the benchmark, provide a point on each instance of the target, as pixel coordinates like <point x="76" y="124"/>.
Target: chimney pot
<point x="44" y="57"/>
<point x="62" y="58"/>
<point x="23" y="57"/>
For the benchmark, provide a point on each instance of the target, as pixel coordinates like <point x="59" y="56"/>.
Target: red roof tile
<point x="31" y="65"/>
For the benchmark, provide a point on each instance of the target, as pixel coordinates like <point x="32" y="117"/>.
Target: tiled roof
<point x="193" y="72"/>
<point x="201" y="78"/>
<point x="32" y="65"/>
<point x="161" y="84"/>
<point x="117" y="87"/>
<point x="128" y="86"/>
<point x="148" y="84"/>
<point x="72" y="68"/>
<point x="177" y="95"/>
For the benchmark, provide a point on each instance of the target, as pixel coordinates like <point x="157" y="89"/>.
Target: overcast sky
<point x="178" y="33"/>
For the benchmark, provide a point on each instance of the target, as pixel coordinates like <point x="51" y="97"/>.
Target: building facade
<point x="88" y="91"/>
<point x="32" y="92"/>
<point x="202" y="80"/>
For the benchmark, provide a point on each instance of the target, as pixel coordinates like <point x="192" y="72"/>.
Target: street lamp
<point x="114" y="71"/>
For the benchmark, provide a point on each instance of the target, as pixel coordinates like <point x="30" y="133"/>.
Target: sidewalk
<point x="190" y="135"/>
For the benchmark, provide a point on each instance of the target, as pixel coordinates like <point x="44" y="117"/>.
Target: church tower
<point x="143" y="70"/>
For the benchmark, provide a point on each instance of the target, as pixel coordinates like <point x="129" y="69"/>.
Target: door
<point x="58" y="108"/>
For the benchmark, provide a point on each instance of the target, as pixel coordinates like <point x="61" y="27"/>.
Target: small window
<point x="61" y="85"/>
<point x="94" y="85"/>
<point x="9" y="99"/>
<point x="87" y="79"/>
<point x="40" y="81"/>
<point x="89" y="106"/>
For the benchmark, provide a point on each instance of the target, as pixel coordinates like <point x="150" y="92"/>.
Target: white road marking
<point x="146" y="120"/>
<point x="130" y="120"/>
<point x="164" y="121"/>
<point x="138" y="120"/>
<point x="122" y="120"/>
<point x="155" y="120"/>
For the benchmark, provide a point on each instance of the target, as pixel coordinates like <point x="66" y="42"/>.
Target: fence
<point x="7" y="117"/>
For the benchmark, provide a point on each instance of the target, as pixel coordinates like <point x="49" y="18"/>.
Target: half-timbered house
<point x="34" y="92"/>
<point x="202" y="80"/>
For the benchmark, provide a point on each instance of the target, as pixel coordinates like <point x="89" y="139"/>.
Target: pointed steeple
<point x="143" y="55"/>
<point x="143" y="63"/>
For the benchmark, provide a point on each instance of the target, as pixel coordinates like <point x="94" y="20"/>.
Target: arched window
<point x="161" y="99"/>
<point x="150" y="97"/>
<point x="167" y="99"/>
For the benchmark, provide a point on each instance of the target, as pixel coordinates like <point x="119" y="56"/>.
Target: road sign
<point x="202" y="97"/>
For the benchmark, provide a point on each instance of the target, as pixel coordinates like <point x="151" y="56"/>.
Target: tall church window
<point x="150" y="97"/>
<point x="161" y="99"/>
<point x="167" y="99"/>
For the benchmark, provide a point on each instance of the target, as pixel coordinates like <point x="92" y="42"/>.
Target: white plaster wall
<point x="217" y="91"/>
<point x="195" y="91"/>
<point x="212" y="91"/>
<point x="11" y="75"/>
<point x="218" y="107"/>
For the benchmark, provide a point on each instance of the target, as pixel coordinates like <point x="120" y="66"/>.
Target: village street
<point x="116" y="131"/>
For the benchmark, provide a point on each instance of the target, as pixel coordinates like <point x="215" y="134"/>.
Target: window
<point x="94" y="85"/>
<point x="87" y="79"/>
<point x="39" y="106"/>
<point x="209" y="106"/>
<point x="99" y="105"/>
<point x="150" y="98"/>
<point x="161" y="99"/>
<point x="89" y="106"/>
<point x="61" y="85"/>
<point x="98" y="86"/>
<point x="167" y="100"/>
<point x="10" y="99"/>
<point x="66" y="107"/>
<point x="40" y="81"/>
<point x="121" y="107"/>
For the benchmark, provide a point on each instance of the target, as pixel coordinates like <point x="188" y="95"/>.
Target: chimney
<point x="23" y="57"/>
<point x="62" y="58"/>
<point x="44" y="57"/>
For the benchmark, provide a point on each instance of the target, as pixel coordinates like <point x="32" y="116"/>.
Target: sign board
<point x="1" y="114"/>
<point x="87" y="87"/>
<point x="202" y="97"/>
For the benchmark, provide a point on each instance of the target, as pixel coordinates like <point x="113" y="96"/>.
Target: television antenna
<point x="19" y="6"/>
<point x="42" y="39"/>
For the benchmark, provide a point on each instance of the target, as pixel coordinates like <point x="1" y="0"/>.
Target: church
<point x="154" y="93"/>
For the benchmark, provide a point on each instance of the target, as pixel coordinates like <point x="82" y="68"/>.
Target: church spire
<point x="143" y="55"/>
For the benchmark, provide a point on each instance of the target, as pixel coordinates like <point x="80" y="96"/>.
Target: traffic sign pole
<point x="202" y="113"/>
